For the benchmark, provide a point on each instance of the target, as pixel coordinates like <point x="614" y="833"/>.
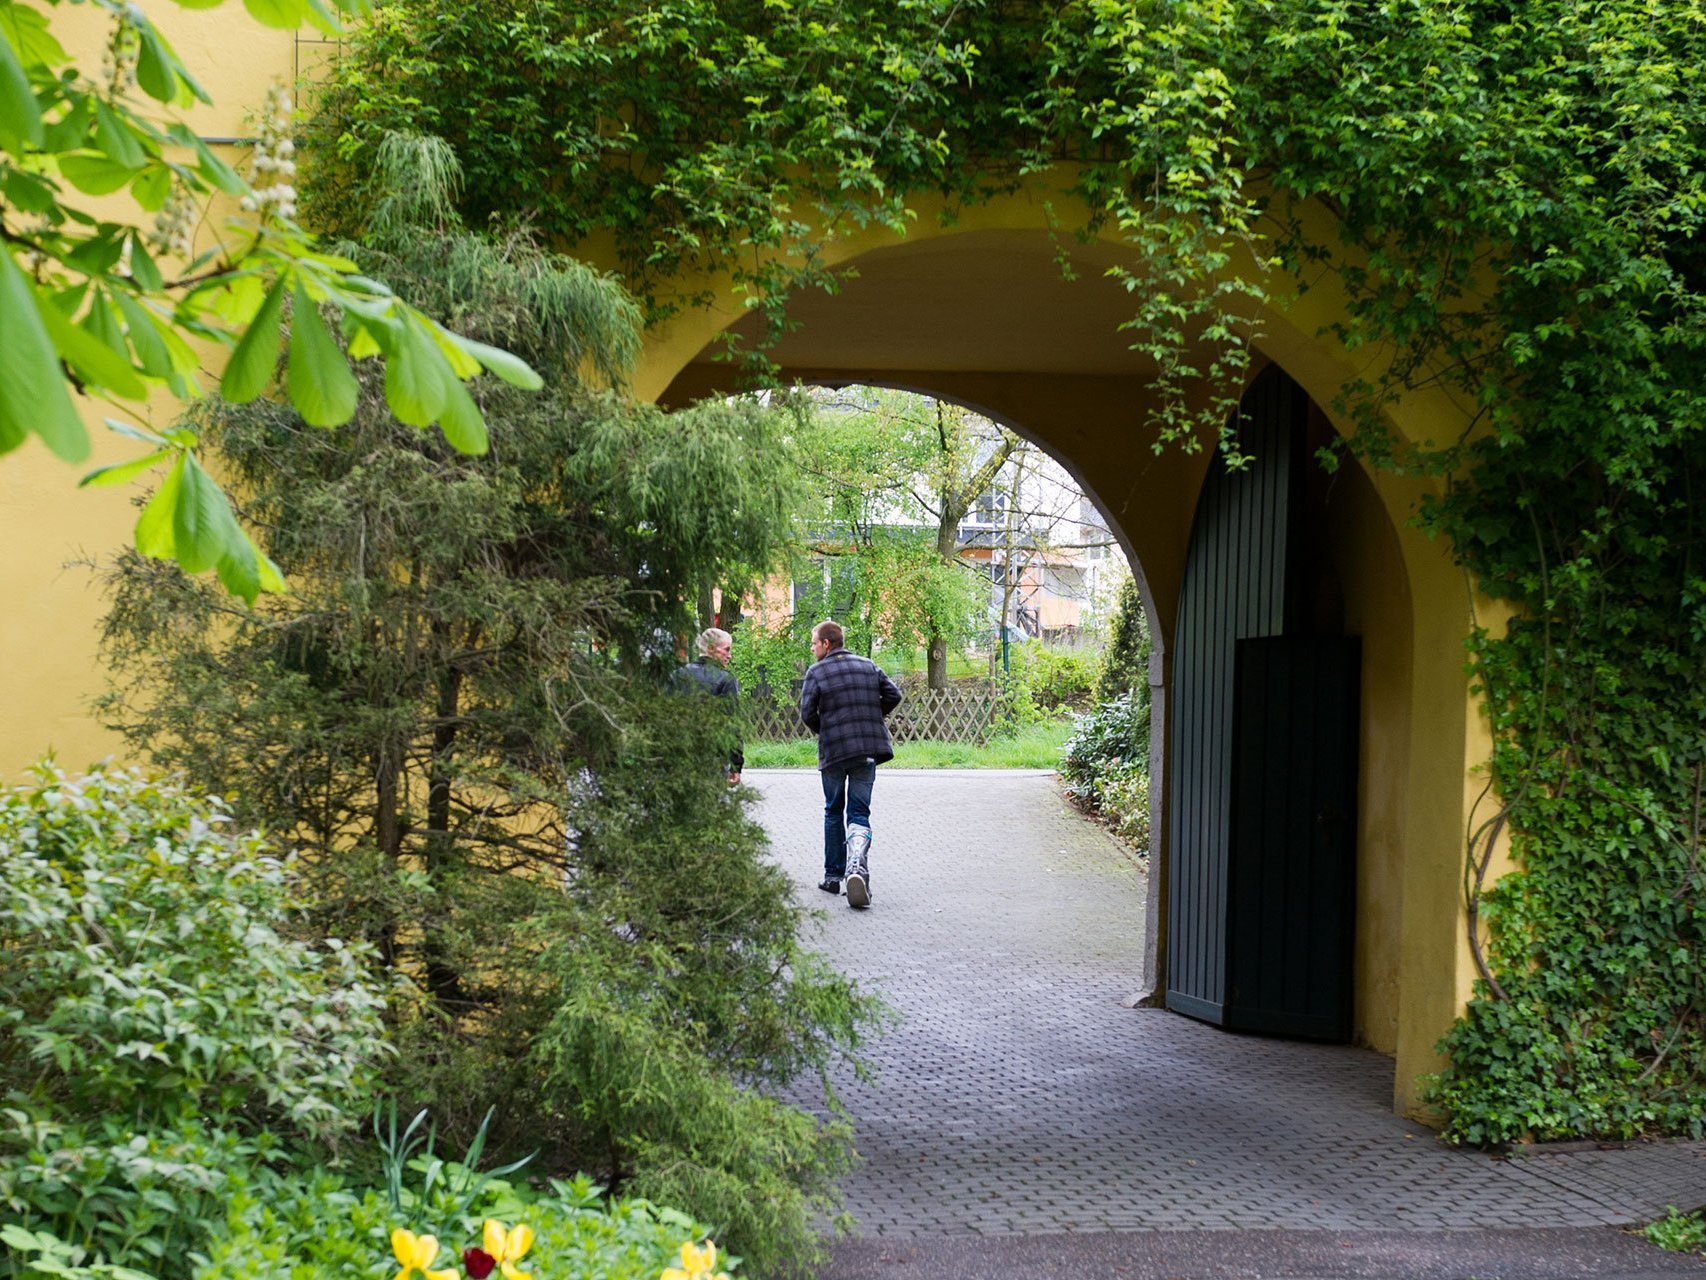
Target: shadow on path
<point x="1019" y="1097"/>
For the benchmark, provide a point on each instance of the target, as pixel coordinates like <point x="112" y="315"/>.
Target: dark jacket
<point x="704" y="676"/>
<point x="843" y="701"/>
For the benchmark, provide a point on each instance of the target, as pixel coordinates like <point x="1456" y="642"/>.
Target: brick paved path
<point x="1018" y="1096"/>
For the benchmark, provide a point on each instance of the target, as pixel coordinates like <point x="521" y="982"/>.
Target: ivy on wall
<point x="1518" y="200"/>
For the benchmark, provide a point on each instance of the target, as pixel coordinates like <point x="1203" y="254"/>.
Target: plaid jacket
<point x="843" y="701"/>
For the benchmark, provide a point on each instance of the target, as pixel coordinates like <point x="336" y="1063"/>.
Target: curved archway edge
<point x="979" y="313"/>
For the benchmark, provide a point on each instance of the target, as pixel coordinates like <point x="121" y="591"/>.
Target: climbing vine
<point x="1517" y="199"/>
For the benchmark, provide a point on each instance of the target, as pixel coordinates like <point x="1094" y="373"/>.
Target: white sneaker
<point x="858" y="890"/>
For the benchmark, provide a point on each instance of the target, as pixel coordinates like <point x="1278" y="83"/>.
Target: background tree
<point x="458" y="715"/>
<point x="1125" y="666"/>
<point x="893" y="476"/>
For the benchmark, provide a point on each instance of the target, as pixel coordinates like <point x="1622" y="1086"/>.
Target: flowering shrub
<point x="317" y="1228"/>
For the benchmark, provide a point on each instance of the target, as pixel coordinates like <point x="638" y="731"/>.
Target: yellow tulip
<point x="508" y="1245"/>
<point x="415" y="1255"/>
<point x="697" y="1263"/>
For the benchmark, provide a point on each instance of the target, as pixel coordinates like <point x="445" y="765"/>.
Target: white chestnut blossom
<point x="273" y="167"/>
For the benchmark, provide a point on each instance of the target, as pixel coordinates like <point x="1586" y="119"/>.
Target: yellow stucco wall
<point x="49" y="627"/>
<point x="976" y="312"/>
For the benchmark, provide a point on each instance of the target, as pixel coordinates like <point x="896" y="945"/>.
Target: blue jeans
<point x="846" y="787"/>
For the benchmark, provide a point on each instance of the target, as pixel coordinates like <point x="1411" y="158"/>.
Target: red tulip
<point x="478" y="1262"/>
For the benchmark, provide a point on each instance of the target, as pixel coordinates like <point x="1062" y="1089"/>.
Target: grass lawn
<point x="1037" y="747"/>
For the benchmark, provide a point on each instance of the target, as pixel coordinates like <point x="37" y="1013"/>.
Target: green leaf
<point x="319" y="381"/>
<point x="245" y="571"/>
<point x="202" y="524"/>
<point x="94" y="174"/>
<point x="360" y="335"/>
<point x="98" y="254"/>
<point x="117" y="137"/>
<point x="131" y="431"/>
<point x="160" y="71"/>
<point x="415" y="374"/>
<point x="152" y="186"/>
<point x="120" y="472"/>
<point x="33" y="395"/>
<point x="288" y="14"/>
<point x="462" y="424"/>
<point x="105" y="324"/>
<point x="29" y="34"/>
<point x="155" y="528"/>
<point x="20" y="113"/>
<point x="216" y="171"/>
<point x="15" y="1236"/>
<point x="511" y="368"/>
<point x="26" y="191"/>
<point x="71" y="131"/>
<point x="317" y="15"/>
<point x="154" y="71"/>
<point x="144" y="333"/>
<point x="99" y="365"/>
<point x="143" y="268"/>
<point x="254" y="361"/>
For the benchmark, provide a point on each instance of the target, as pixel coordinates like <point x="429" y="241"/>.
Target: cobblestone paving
<point x="1018" y="1095"/>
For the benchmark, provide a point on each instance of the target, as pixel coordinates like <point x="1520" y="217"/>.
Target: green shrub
<point x="1678" y="1231"/>
<point x="1105" y="765"/>
<point x="458" y="714"/>
<point x="162" y="1039"/>
<point x="1052" y="679"/>
<point x="1115" y="734"/>
<point x="768" y="662"/>
<point x="1125" y="665"/>
<point x="1124" y="803"/>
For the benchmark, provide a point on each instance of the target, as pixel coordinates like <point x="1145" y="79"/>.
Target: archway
<point x="983" y="315"/>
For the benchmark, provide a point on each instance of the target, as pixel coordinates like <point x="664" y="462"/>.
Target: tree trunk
<point x="387" y="832"/>
<point x="937" y="670"/>
<point x="729" y="616"/>
<point x="442" y="978"/>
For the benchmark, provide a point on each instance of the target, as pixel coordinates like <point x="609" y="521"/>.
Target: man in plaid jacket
<point x="843" y="702"/>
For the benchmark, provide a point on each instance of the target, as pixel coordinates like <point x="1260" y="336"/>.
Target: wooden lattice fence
<point x="963" y="712"/>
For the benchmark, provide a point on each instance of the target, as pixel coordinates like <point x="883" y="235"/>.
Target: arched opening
<point x="983" y="316"/>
